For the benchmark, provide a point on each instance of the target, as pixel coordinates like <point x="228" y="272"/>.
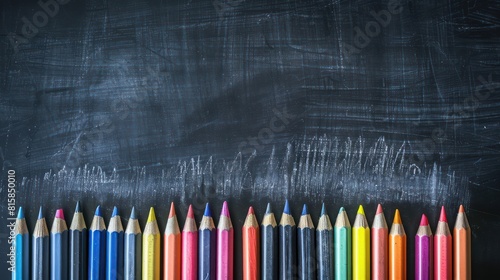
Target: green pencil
<point x="342" y="246"/>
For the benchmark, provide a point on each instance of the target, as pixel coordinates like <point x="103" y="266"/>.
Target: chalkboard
<point x="140" y="103"/>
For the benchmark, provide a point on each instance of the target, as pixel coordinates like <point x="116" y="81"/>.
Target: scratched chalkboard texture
<point x="145" y="102"/>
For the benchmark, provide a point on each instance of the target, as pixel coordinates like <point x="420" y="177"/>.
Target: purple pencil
<point x="423" y="251"/>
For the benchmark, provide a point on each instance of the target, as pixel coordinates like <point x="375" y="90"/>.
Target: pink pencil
<point x="225" y="240"/>
<point x="189" y="248"/>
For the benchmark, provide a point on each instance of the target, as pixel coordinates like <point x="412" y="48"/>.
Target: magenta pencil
<point x="225" y="241"/>
<point x="423" y="251"/>
<point x="189" y="264"/>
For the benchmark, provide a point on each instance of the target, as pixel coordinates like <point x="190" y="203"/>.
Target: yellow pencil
<point x="360" y="247"/>
<point x="151" y="249"/>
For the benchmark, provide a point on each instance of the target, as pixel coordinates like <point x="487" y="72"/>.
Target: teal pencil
<point x="22" y="250"/>
<point x="59" y="248"/>
<point x="40" y="261"/>
<point x="342" y="246"/>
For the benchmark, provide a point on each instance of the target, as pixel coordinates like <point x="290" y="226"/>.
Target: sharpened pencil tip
<point x="304" y="210"/>
<point x="60" y="214"/>
<point x="20" y="213"/>
<point x="461" y="209"/>
<point x="190" y="213"/>
<point x="250" y="211"/>
<point x="286" y="210"/>
<point x="151" y="216"/>
<point x="225" y="209"/>
<point x="133" y="214"/>
<point x="341" y="210"/>
<point x="442" y="216"/>
<point x="361" y="211"/>
<point x="115" y="212"/>
<point x="424" y="221"/>
<point x="397" y="217"/>
<point x="379" y="209"/>
<point x="172" y="210"/>
<point x="40" y="213"/>
<point x="208" y="212"/>
<point x="98" y="211"/>
<point x="77" y="207"/>
<point x="268" y="208"/>
<point x="323" y="211"/>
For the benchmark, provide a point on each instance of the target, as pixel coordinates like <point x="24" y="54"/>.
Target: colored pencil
<point x="225" y="243"/>
<point x="189" y="263"/>
<point x="172" y="247"/>
<point x="97" y="247"/>
<point x="132" y="249"/>
<point x="40" y="261"/>
<point x="324" y="247"/>
<point x="207" y="246"/>
<point x="114" y="247"/>
<point x="251" y="247"/>
<point x="423" y="251"/>
<point x="78" y="237"/>
<point x="269" y="246"/>
<point x="22" y="250"/>
<point x="59" y="247"/>
<point x="306" y="246"/>
<point x="462" y="247"/>
<point x="342" y="246"/>
<point x="442" y="249"/>
<point x="151" y="248"/>
<point x="360" y="247"/>
<point x="379" y="244"/>
<point x="397" y="249"/>
<point x="287" y="245"/>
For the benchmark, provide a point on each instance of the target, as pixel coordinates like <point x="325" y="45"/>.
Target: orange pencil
<point x="461" y="247"/>
<point x="442" y="249"/>
<point x="397" y="249"/>
<point x="172" y="248"/>
<point x="251" y="244"/>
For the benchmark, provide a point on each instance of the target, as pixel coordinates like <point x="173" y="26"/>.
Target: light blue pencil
<point x="22" y="250"/>
<point x="114" y="248"/>
<point x="133" y="249"/>
<point x="40" y="261"/>
<point x="59" y="248"/>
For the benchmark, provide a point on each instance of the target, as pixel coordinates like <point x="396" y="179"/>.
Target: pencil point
<point x="250" y="211"/>
<point x="60" y="214"/>
<point x="461" y="209"/>
<point x="424" y="222"/>
<point x="208" y="212"/>
<point x="361" y="210"/>
<point x="225" y="209"/>
<point x="190" y="213"/>
<point x="304" y="210"/>
<point x="323" y="211"/>
<point x="20" y="213"/>
<point x="98" y="211"/>
<point x="77" y="207"/>
<point x="115" y="212"/>
<point x="442" y="217"/>
<point x="40" y="213"/>
<point x="341" y="210"/>
<point x="172" y="210"/>
<point x="151" y="216"/>
<point x="268" y="208"/>
<point x="397" y="217"/>
<point x="133" y="214"/>
<point x="379" y="209"/>
<point x="286" y="210"/>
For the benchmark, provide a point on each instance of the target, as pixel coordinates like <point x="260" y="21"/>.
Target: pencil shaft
<point x="423" y="257"/>
<point x="397" y="257"/>
<point x="225" y="254"/>
<point x="342" y="250"/>
<point x="21" y="245"/>
<point x="97" y="255"/>
<point x="132" y="253"/>
<point x="287" y="252"/>
<point x="151" y="256"/>
<point x="462" y="249"/>
<point x="251" y="252"/>
<point x="306" y="253"/>
<point x="78" y="254"/>
<point x="40" y="259"/>
<point x="114" y="255"/>
<point x="324" y="239"/>
<point x="269" y="252"/>
<point x="360" y="253"/>
<point x="189" y="264"/>
<point x="380" y="252"/>
<point x="59" y="255"/>
<point x="442" y="257"/>
<point x="172" y="256"/>
<point x="207" y="254"/>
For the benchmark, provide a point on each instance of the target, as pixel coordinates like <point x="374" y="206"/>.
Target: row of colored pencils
<point x="270" y="251"/>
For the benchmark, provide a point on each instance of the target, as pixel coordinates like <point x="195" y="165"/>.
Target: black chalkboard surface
<point x="140" y="103"/>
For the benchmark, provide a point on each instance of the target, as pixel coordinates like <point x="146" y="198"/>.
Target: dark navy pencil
<point x="306" y="246"/>
<point x="287" y="245"/>
<point x="78" y="237"/>
<point x="324" y="247"/>
<point x="206" y="245"/>
<point x="269" y="246"/>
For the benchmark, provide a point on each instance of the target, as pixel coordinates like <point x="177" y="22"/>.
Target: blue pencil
<point x="22" y="250"/>
<point x="133" y="249"/>
<point x="207" y="236"/>
<point x="114" y="248"/>
<point x="287" y="245"/>
<point x="97" y="247"/>
<point x="40" y="261"/>
<point x="78" y="237"/>
<point x="59" y="248"/>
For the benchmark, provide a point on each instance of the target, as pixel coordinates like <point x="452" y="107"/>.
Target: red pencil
<point x="189" y="248"/>
<point x="251" y="245"/>
<point x="442" y="249"/>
